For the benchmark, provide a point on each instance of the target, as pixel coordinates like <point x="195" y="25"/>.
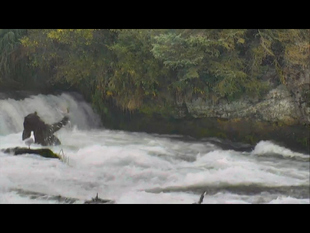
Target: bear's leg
<point x="57" y="126"/>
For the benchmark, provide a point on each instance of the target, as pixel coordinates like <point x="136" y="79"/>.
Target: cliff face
<point x="298" y="82"/>
<point x="286" y="104"/>
<point x="277" y="106"/>
<point x="282" y="115"/>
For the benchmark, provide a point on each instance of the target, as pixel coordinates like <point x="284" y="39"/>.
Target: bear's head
<point x="33" y="122"/>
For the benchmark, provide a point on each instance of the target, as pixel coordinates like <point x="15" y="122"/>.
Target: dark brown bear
<point x="43" y="133"/>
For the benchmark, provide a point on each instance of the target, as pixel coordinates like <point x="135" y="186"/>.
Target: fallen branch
<point x="201" y="198"/>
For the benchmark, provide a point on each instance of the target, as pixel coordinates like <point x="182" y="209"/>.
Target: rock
<point x="98" y="200"/>
<point x="277" y="105"/>
<point x="43" y="196"/>
<point x="298" y="83"/>
<point x="47" y="153"/>
<point x="59" y="198"/>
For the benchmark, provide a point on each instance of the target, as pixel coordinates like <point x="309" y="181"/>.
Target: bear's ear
<point x="35" y="113"/>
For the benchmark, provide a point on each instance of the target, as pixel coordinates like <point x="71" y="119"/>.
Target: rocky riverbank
<point x="281" y="116"/>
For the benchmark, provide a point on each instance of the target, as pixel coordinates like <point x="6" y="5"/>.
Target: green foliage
<point x="13" y="62"/>
<point x="137" y="74"/>
<point x="153" y="69"/>
<point x="207" y="53"/>
<point x="64" y="54"/>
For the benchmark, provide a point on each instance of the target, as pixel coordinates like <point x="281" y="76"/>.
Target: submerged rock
<point x="42" y="196"/>
<point x="98" y="200"/>
<point x="60" y="199"/>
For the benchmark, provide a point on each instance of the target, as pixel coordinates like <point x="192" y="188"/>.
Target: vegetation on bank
<point x="151" y="70"/>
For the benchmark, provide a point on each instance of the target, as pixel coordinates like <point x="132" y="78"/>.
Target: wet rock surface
<point x="277" y="105"/>
<point x="45" y="152"/>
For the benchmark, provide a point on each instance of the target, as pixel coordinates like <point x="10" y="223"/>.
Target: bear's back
<point x="32" y="121"/>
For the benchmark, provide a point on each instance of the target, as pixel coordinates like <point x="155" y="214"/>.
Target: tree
<point x="155" y="69"/>
<point x="206" y="61"/>
<point x="13" y="62"/>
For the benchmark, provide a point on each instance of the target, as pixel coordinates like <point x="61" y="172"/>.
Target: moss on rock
<point x="47" y="153"/>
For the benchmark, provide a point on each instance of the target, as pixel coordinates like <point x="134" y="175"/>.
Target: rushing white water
<point x="139" y="167"/>
<point x="12" y="112"/>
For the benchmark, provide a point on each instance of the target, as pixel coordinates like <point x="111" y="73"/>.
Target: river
<point x="141" y="168"/>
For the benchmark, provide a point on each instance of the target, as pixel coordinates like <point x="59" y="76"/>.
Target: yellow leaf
<point x="241" y="40"/>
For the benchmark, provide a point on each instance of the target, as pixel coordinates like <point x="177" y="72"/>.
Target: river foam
<point x="140" y="167"/>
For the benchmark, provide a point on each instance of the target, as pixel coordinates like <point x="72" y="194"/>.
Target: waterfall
<point x="13" y="111"/>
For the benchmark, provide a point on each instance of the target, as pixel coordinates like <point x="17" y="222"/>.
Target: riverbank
<point x="294" y="137"/>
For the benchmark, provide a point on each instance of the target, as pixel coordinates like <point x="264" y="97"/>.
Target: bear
<point x="43" y="133"/>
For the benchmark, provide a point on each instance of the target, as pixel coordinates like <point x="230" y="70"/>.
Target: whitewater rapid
<point x="142" y="168"/>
